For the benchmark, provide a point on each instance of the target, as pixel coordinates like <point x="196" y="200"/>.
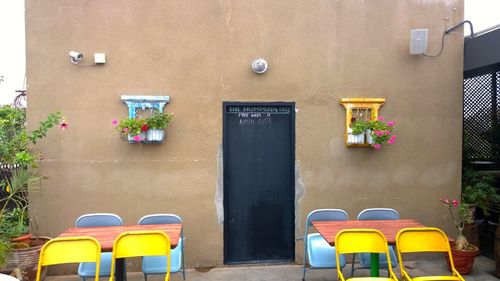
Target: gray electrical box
<point x="418" y="41"/>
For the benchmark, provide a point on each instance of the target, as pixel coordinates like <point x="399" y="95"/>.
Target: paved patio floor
<point x="484" y="269"/>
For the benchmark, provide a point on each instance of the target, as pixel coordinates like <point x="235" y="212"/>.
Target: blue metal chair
<point x="156" y="264"/>
<point x="87" y="269"/>
<point x="364" y="258"/>
<point x="317" y="251"/>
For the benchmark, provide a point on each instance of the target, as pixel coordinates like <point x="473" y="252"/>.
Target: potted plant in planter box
<point x="463" y="252"/>
<point x="132" y="129"/>
<point x="157" y="123"/>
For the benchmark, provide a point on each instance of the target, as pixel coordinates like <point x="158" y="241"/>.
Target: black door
<point x="259" y="191"/>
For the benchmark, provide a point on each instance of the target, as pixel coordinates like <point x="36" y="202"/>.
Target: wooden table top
<point x="329" y="229"/>
<point x="106" y="234"/>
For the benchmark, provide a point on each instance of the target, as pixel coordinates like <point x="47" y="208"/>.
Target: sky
<point x="482" y="13"/>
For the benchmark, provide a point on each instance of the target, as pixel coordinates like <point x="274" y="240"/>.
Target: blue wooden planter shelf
<point x="135" y="103"/>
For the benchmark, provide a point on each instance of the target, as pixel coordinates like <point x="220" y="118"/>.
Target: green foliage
<point x="360" y="127"/>
<point x="14" y="223"/>
<point x="41" y="132"/>
<point x="478" y="189"/>
<point x="132" y="126"/>
<point x="159" y="120"/>
<point x="15" y="138"/>
<point x="5" y="248"/>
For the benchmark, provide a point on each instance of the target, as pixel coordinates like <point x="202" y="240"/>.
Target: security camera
<point x="75" y="57"/>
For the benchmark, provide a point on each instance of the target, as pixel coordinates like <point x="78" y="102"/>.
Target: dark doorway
<point x="259" y="182"/>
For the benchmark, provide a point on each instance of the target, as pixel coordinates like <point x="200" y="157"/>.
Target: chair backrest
<point x="422" y="239"/>
<point x="378" y="214"/>
<point x="98" y="219"/>
<point x="360" y="240"/>
<point x="70" y="250"/>
<point x="325" y="215"/>
<point x="141" y="243"/>
<point x="349" y="241"/>
<point x="160" y="219"/>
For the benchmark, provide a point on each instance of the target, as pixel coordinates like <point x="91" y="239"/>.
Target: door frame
<point x="226" y="104"/>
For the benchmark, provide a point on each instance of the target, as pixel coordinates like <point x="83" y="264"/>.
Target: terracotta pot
<point x="23" y="239"/>
<point x="463" y="260"/>
<point x="26" y="259"/>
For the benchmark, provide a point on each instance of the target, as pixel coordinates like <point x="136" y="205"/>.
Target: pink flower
<point x="391" y="123"/>
<point x="63" y="125"/>
<point x="391" y="141"/>
<point x="137" y="138"/>
<point x="454" y="202"/>
<point x="114" y="122"/>
<point x="377" y="146"/>
<point x="379" y="133"/>
<point x="446" y="201"/>
<point x="380" y="118"/>
<point x="393" y="138"/>
<point x="387" y="133"/>
<point x="125" y="130"/>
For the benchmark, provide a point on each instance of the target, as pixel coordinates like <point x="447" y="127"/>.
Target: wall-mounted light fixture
<point x="418" y="39"/>
<point x="75" y="57"/>
<point x="259" y="65"/>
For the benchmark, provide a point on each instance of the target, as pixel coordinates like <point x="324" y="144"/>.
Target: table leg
<point x="120" y="270"/>
<point x="374" y="268"/>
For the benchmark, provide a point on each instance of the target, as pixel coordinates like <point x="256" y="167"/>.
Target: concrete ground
<point x="484" y="270"/>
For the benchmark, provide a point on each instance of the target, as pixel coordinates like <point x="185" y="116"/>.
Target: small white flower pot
<point x="154" y="135"/>
<point x="355" y="139"/>
<point x="369" y="138"/>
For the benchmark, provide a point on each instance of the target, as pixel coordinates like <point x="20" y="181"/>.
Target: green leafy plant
<point x="131" y="126"/>
<point x="159" y="120"/>
<point x="15" y="138"/>
<point x="463" y="216"/>
<point x="478" y="190"/>
<point x="380" y="131"/>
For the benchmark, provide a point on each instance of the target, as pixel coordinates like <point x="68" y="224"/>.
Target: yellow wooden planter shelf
<point x="360" y="108"/>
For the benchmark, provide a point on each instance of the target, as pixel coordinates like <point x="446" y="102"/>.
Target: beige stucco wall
<point x="199" y="53"/>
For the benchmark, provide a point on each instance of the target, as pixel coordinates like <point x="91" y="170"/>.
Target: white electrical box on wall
<point x="418" y="41"/>
<point x="99" y="58"/>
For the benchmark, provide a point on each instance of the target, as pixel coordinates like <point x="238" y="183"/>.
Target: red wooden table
<point x="390" y="228"/>
<point x="106" y="236"/>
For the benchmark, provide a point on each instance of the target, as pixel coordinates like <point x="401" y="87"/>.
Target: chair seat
<point x="432" y="278"/>
<point x="370" y="278"/>
<point x="320" y="253"/>
<point x="365" y="259"/>
<point x="87" y="269"/>
<point x="156" y="264"/>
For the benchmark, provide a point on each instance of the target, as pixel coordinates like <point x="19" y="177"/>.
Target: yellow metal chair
<point x="424" y="239"/>
<point x="139" y="244"/>
<point x="350" y="241"/>
<point x="70" y="250"/>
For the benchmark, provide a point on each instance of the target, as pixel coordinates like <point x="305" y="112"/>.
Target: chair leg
<point x="84" y="278"/>
<point x="145" y="277"/>
<point x="352" y="265"/>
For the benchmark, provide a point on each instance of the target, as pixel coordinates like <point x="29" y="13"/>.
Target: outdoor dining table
<point x="390" y="228"/>
<point x="106" y="236"/>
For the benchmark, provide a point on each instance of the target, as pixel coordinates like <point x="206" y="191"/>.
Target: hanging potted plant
<point x="157" y="123"/>
<point x="132" y="129"/>
<point x="463" y="252"/>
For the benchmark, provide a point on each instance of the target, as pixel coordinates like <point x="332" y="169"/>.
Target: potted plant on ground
<point x="157" y="123"/>
<point x="462" y="251"/>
